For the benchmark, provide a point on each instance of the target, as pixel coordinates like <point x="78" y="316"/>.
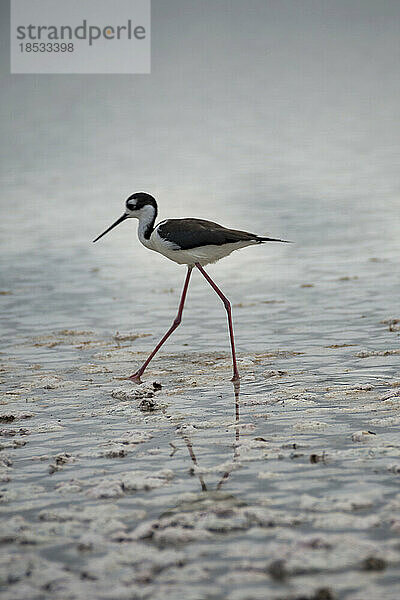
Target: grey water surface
<point x="276" y="117"/>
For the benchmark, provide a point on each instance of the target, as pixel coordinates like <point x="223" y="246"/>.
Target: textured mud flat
<point x="186" y="488"/>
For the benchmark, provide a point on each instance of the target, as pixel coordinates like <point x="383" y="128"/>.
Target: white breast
<point x="203" y="254"/>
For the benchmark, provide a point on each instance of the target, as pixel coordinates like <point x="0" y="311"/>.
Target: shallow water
<point x="288" y="489"/>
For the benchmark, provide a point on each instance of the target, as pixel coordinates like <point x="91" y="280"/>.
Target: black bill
<point x="117" y="222"/>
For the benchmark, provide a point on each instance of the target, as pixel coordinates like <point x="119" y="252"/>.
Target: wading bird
<point x="191" y="242"/>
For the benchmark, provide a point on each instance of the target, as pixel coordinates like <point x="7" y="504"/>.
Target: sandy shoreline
<point x="111" y="490"/>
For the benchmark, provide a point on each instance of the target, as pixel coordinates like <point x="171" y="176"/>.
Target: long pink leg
<point x="228" y="308"/>
<point x="136" y="376"/>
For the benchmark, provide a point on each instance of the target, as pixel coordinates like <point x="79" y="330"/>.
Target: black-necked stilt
<point x="191" y="242"/>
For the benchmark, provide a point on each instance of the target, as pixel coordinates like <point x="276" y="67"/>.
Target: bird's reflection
<point x="189" y="445"/>
<point x="192" y="455"/>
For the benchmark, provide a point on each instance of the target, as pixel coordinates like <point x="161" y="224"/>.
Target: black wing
<point x="192" y="233"/>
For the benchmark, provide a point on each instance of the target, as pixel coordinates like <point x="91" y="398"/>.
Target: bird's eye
<point x="131" y="205"/>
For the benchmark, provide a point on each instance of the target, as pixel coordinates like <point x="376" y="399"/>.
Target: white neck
<point x="147" y="216"/>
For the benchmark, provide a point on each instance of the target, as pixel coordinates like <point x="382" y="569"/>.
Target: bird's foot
<point x="136" y="377"/>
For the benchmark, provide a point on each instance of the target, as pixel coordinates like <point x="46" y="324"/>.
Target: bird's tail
<point x="268" y="239"/>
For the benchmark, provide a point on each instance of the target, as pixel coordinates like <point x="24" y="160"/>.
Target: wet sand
<point x="184" y="488"/>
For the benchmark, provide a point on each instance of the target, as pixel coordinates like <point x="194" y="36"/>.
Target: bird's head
<point x="138" y="206"/>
